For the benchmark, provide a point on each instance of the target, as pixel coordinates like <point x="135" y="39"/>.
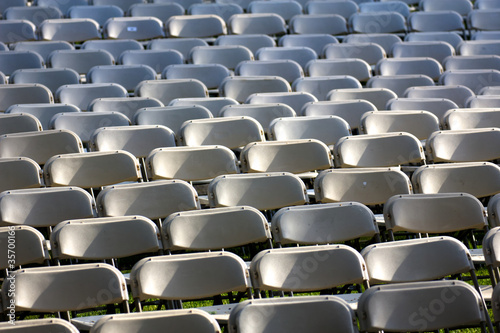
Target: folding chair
<point x="475" y="79"/>
<point x="18" y="173"/>
<point x="62" y="6"/>
<point x="463" y="145"/>
<point x="225" y="11"/>
<point x="40" y="325"/>
<point x="463" y="7"/>
<point x="81" y="95"/>
<point x="181" y="319"/>
<point x="231" y="132"/>
<point x="437" y="106"/>
<point x="320" y="86"/>
<point x="40" y="146"/>
<point x="127" y="76"/>
<point x="486" y="4"/>
<point x="377" y="96"/>
<point x="300" y="314"/>
<point x="300" y="54"/>
<point x="450" y="37"/>
<point x="383" y="307"/>
<point x="263" y="113"/>
<point x="126" y="105"/>
<point x="158" y="60"/>
<point x="34" y="14"/>
<point x="43" y="48"/>
<point x="138" y="28"/>
<point x="167" y="90"/>
<point x="115" y="47"/>
<point x="12" y="94"/>
<point x="458" y="119"/>
<point x="44" y="207"/>
<point x="482" y="102"/>
<point x="42" y="111"/>
<point x="353" y="67"/>
<point x="196" y="163"/>
<point x="195" y="26"/>
<point x="241" y="87"/>
<point x="329" y="223"/>
<point x="385" y="6"/>
<point x="458" y="94"/>
<point x="385" y="40"/>
<point x="30" y="247"/>
<point x="83" y="124"/>
<point x="214" y="229"/>
<point x="408" y="66"/>
<point x="296" y="100"/>
<point x="472" y="62"/>
<point x="183" y="45"/>
<point x="266" y="191"/>
<point x="12" y="3"/>
<point x="480" y="179"/>
<point x="370" y="186"/>
<point x="317" y="42"/>
<point x="211" y="75"/>
<point x="264" y="23"/>
<point x="242" y="3"/>
<point x="284" y="9"/>
<point x="123" y="4"/>
<point x="213" y="104"/>
<point x="170" y="116"/>
<point x="162" y="11"/>
<point x="372" y="53"/>
<point x="68" y="288"/>
<point x="485" y="35"/>
<point x="20" y="122"/>
<point x="419" y="123"/>
<point x="287" y="69"/>
<point x="79" y="60"/>
<point x="433" y="49"/>
<point x="327" y="129"/>
<point x="493" y="217"/>
<point x="483" y="19"/>
<point x="227" y="55"/>
<point x="100" y="14"/>
<point x="14" y="31"/>
<point x="489" y="90"/>
<point x="349" y="110"/>
<point x="14" y="60"/>
<point x="479" y="47"/>
<point x="377" y="22"/>
<point x="253" y="42"/>
<point x="52" y="78"/>
<point x="342" y="8"/>
<point x="439" y="20"/>
<point x="398" y="84"/>
<point x="69" y="30"/>
<point x="332" y="24"/>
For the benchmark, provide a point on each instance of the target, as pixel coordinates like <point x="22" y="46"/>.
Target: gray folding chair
<point x="386" y="41"/>
<point x="34" y="14"/>
<point x="18" y="173"/>
<point x="167" y="90"/>
<point x="225" y="10"/>
<point x="475" y="79"/>
<point x="377" y="96"/>
<point x="265" y="23"/>
<point x="69" y="30"/>
<point x="432" y="49"/>
<point x="42" y="111"/>
<point x="211" y="75"/>
<point x="227" y="55"/>
<point x="52" y="78"/>
<point x="251" y="41"/>
<point x="472" y="62"/>
<point x="18" y="122"/>
<point x="43" y="48"/>
<point x="437" y="106"/>
<point x="479" y="47"/>
<point x="30" y="247"/>
<point x="79" y="60"/>
<point x="463" y="7"/>
<point x="127" y="76"/>
<point x="296" y="100"/>
<point x="213" y="104"/>
<point x="81" y="95"/>
<point x="342" y="8"/>
<point x="123" y="4"/>
<point x="28" y="93"/>
<point x="195" y="26"/>
<point x="353" y="67"/>
<point x="126" y="105"/>
<point x="287" y="69"/>
<point x="263" y="113"/>
<point x="437" y="20"/>
<point x="138" y="28"/>
<point x="100" y="14"/>
<point x="404" y="66"/>
<point x="377" y="22"/>
<point x="459" y="94"/>
<point x="162" y="11"/>
<point x="113" y="46"/>
<point x="14" y="31"/>
<point x="450" y="37"/>
<point x="156" y="59"/>
<point x="241" y="87"/>
<point x="183" y="45"/>
<point x="320" y="86"/>
<point x="369" y="52"/>
<point x="286" y="10"/>
<point x="332" y="24"/>
<point x="300" y="54"/>
<point x="399" y="83"/>
<point x="62" y="6"/>
<point x="14" y="60"/>
<point x="317" y="42"/>
<point x="40" y="325"/>
<point x="465" y="118"/>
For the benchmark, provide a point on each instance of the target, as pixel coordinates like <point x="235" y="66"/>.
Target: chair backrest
<point x="369" y="52"/>
<point x="138" y="28"/>
<point x="69" y="30"/>
<point x="52" y="78"/>
<point x="494" y="211"/>
<point x="12" y="94"/>
<point x="232" y="132"/>
<point x="251" y="41"/>
<point x="62" y="6"/>
<point x="104" y="238"/>
<point x="475" y="79"/>
<point x="176" y="277"/>
<point x="327" y="129"/>
<point x="34" y="14"/>
<point x="285" y="9"/>
<point x="156" y="59"/>
<point x="385" y="40"/>
<point x="351" y="67"/>
<point x="296" y="100"/>
<point x="287" y="69"/>
<point x="323" y="23"/>
<point x="12" y="3"/>
<point x="463" y="145"/>
<point x="113" y="46"/>
<point x="227" y="55"/>
<point x="400" y="83"/>
<point x="377" y="96"/>
<point x="483" y="101"/>
<point x="432" y="49"/>
<point x="441" y="20"/>
<point x="83" y="124"/>
<point x="216" y="228"/>
<point x="457" y="93"/>
<point x="180" y="319"/>
<point x="183" y="45"/>
<point x="19" y="172"/>
<point x="395" y="306"/>
<point x="300" y="54"/>
<point x="123" y="4"/>
<point x="342" y="8"/>
<point x="491" y="248"/>
<point x="195" y="26"/>
<point x="262" y="191"/>
<point x="264" y="23"/>
<point x="385" y="6"/>
<point x="300" y="314"/>
<point x="320" y="86"/>
<point x="137" y="140"/>
<point x="263" y="113"/>
<point x="434" y="213"/>
<point x="29" y="246"/>
<point x="167" y="90"/>
<point x="370" y="186"/>
<point x="404" y="66"/>
<point x="155" y="200"/>
<point x="378" y="150"/>
<point x="170" y="116"/>
<point x="377" y="22"/>
<point x="463" y="7"/>
<point x="450" y="37"/>
<point x="40" y="146"/>
<point x="283" y="269"/>
<point x="81" y="95"/>
<point x="224" y="10"/>
<point x="479" y="47"/>
<point x="18" y="122"/>
<point x="128" y="76"/>
<point x="419" y="123"/>
<point x="437" y="106"/>
<point x="14" y="60"/>
<point x="42" y="111"/>
<point x="294" y="156"/>
<point x="210" y="74"/>
<point x="79" y="60"/>
<point x="100" y="14"/>
<point x="241" y="87"/>
<point x="191" y="163"/>
<point x="14" y="31"/>
<point x="67" y="288"/>
<point x="472" y="62"/>
<point x="465" y="118"/>
<point x="316" y="42"/>
<point x="126" y="105"/>
<point x="40" y="325"/>
<point x="43" y="48"/>
<point x="483" y="19"/>
<point x="90" y="170"/>
<point x="481" y="179"/>
<point x="213" y="104"/>
<point x="328" y="223"/>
